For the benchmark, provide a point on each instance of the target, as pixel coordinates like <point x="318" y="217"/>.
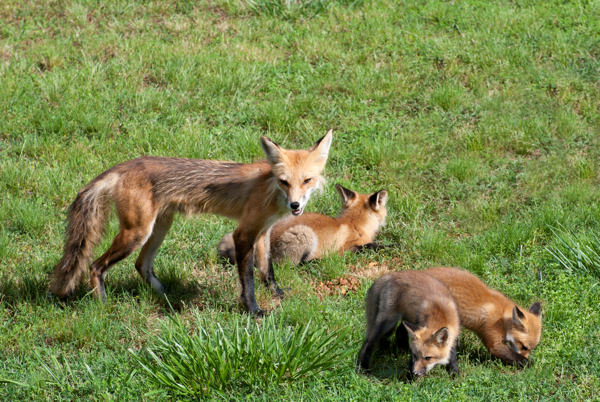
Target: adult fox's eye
<point x="285" y="183"/>
<point x="307" y="181"/>
<point x="428" y="358"/>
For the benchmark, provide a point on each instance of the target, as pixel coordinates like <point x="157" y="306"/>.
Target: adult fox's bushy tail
<point x="86" y="218"/>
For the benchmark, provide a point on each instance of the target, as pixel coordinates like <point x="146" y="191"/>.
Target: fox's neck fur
<point x="362" y="224"/>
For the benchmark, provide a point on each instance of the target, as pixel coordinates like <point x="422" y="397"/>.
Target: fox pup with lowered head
<point x="311" y="235"/>
<point x="148" y="191"/>
<point x="495" y="319"/>
<point x="429" y="314"/>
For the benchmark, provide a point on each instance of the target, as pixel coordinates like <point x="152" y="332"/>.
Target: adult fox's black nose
<point x="295" y="205"/>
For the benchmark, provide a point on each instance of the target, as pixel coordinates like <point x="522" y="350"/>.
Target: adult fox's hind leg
<point x="135" y="228"/>
<point x="145" y="261"/>
<point x="125" y="243"/>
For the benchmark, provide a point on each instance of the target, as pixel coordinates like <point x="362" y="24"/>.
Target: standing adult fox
<point x="148" y="191"/>
<point x="312" y="236"/>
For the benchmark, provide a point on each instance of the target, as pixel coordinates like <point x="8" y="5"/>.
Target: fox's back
<point x="321" y="225"/>
<point x="190" y="185"/>
<point x="478" y="304"/>
<point x="418" y="296"/>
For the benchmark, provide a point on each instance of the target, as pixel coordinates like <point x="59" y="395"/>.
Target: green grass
<point x="480" y="118"/>
<point x="246" y="356"/>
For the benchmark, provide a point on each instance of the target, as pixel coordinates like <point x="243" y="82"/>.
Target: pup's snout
<point x="295" y="205"/>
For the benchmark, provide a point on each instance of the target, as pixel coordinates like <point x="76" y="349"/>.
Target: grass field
<point x="480" y="118"/>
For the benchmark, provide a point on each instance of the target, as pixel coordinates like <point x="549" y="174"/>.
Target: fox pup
<point x="311" y="235"/>
<point x="507" y="330"/>
<point x="429" y="314"/>
<point x="148" y="191"/>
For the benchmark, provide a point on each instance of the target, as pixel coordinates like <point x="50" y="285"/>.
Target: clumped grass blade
<point x="9" y="381"/>
<point x="247" y="355"/>
<point x="294" y="9"/>
<point x="575" y="254"/>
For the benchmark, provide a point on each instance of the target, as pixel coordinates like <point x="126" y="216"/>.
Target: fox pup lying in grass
<point x="429" y="314"/>
<point x="147" y="192"/>
<point x="311" y="236"/>
<point x="507" y="330"/>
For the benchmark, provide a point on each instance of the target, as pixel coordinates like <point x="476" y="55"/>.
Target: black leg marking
<point x="270" y="282"/>
<point x="373" y="246"/>
<point x="245" y="265"/>
<point x="411" y="366"/>
<point x="452" y="367"/>
<point x="402" y="341"/>
<point x="305" y="257"/>
<point x="379" y="330"/>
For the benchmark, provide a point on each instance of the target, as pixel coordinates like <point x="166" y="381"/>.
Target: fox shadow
<point x="390" y="362"/>
<point x="34" y="288"/>
<point x="391" y="359"/>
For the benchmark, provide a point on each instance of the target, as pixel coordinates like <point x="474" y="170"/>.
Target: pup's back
<point x="430" y="317"/>
<point x="492" y="316"/>
<point x="311" y="236"/>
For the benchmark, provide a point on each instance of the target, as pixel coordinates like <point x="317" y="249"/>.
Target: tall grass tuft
<point x="577" y="255"/>
<point x="294" y="9"/>
<point x="248" y="355"/>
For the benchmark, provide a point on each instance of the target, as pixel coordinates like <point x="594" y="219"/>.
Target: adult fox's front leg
<point x="264" y="263"/>
<point x="244" y="238"/>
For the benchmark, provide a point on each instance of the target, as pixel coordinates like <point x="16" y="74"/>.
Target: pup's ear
<point x="345" y="194"/>
<point x="535" y="308"/>
<point x="411" y="329"/>
<point x="517" y="317"/>
<point x="377" y="200"/>
<point x="441" y="336"/>
<point x="272" y="150"/>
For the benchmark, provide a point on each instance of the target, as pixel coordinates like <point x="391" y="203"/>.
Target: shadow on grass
<point x="34" y="288"/>
<point x="390" y="362"/>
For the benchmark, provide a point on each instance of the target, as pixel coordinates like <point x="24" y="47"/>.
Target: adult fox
<point x="311" y="236"/>
<point x="148" y="191"/>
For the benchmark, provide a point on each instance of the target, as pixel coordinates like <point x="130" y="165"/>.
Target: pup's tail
<point x="372" y="303"/>
<point x="227" y="248"/>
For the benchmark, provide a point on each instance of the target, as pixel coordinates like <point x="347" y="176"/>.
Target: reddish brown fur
<point x="311" y="236"/>
<point x="148" y="191"/>
<point x="418" y="299"/>
<point x="489" y="314"/>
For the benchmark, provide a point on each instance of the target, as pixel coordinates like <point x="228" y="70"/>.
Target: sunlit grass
<point x="480" y="119"/>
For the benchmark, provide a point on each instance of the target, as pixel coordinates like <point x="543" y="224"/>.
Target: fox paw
<point x="280" y="293"/>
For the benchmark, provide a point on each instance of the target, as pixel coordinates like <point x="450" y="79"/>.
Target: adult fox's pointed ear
<point x="345" y="194"/>
<point x="377" y="200"/>
<point x="321" y="147"/>
<point x="272" y="150"/>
